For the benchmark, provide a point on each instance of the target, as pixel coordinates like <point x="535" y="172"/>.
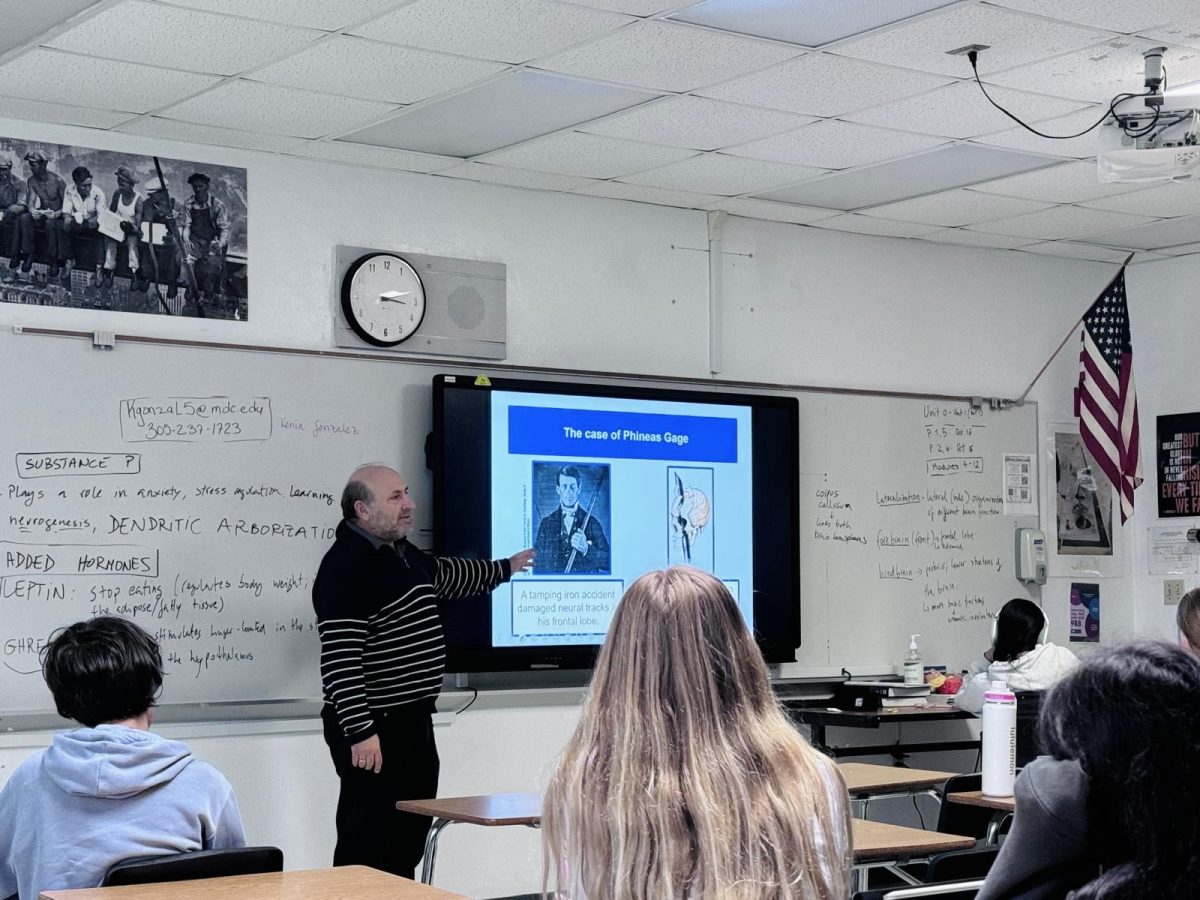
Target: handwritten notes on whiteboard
<point x="903" y="527"/>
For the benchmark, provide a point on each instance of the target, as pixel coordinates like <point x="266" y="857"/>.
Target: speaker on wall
<point x="465" y="305"/>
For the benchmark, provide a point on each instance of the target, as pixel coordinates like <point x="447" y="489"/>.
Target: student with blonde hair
<point x="684" y="780"/>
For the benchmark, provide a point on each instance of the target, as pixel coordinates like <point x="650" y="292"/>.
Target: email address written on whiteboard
<point x="196" y="419"/>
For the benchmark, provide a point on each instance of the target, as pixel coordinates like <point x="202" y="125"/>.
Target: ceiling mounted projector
<point x="1145" y="142"/>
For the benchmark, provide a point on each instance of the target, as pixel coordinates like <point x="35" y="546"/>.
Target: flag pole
<point x="1070" y="331"/>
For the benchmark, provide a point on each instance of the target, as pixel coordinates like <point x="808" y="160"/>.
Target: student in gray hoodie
<point x="111" y="789"/>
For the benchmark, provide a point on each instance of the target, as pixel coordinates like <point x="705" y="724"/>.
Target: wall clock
<point x="383" y="299"/>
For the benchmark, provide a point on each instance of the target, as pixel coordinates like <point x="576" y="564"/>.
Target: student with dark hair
<point x="1020" y="655"/>
<point x="110" y="789"/>
<point x="1111" y="812"/>
<point x="1187" y="617"/>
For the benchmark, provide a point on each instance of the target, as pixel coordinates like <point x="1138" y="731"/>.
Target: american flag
<point x="1105" y="400"/>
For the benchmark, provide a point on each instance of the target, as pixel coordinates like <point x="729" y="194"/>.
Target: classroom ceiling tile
<point x="965" y="238"/>
<point x="104" y="83"/>
<point x="1077" y="251"/>
<point x="810" y="24"/>
<point x="716" y="173"/>
<point x="635" y="7"/>
<point x="326" y="15"/>
<point x="665" y="56"/>
<point x="60" y="114"/>
<point x="1164" y="201"/>
<point x="961" y="111"/>
<point x="276" y="110"/>
<point x="695" y="123"/>
<point x="1063" y="222"/>
<point x="1116" y="15"/>
<point x="952" y="208"/>
<point x="1082" y="147"/>
<point x="585" y="155"/>
<point x="509" y="31"/>
<point x="24" y="21"/>
<point x="940" y="169"/>
<point x="1154" y="236"/>
<point x="215" y="44"/>
<point x="832" y="144"/>
<point x="380" y="157"/>
<point x="174" y="130"/>
<point x="521" y="178"/>
<point x="820" y="84"/>
<point x="356" y="67"/>
<point x="1066" y="183"/>
<point x="881" y="227"/>
<point x="1099" y="73"/>
<point x="500" y="113"/>
<point x="1186" y="32"/>
<point x="1181" y="250"/>
<point x="773" y="212"/>
<point x="641" y="193"/>
<point x="1012" y="39"/>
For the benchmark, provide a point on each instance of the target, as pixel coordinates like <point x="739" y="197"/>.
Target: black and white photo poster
<point x="103" y="230"/>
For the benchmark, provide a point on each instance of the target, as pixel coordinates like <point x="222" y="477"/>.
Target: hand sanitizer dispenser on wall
<point x="1031" y="556"/>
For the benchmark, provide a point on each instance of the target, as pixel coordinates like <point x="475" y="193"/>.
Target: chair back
<point x="959" y="865"/>
<point x="1029" y="706"/>
<point x="954" y="890"/>
<point x="197" y="864"/>
<point x="957" y="818"/>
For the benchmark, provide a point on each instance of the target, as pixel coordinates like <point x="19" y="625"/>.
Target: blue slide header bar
<point x="545" y="431"/>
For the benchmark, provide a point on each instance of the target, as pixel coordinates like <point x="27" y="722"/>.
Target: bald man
<point x="382" y="658"/>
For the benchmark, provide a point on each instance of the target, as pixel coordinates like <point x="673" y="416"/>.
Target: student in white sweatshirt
<point x="1020" y="655"/>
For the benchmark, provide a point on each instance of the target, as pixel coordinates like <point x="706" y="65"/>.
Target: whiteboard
<point x="903" y="527"/>
<point x="195" y="490"/>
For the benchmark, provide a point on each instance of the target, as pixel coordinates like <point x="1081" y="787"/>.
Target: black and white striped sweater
<point x="381" y="637"/>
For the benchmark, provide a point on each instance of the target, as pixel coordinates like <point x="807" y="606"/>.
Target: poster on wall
<point x="1178" y="442"/>
<point x="96" y="229"/>
<point x="1083" y="501"/>
<point x="1085" y="613"/>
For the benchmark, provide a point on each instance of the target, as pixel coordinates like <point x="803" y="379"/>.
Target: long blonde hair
<point x="684" y="779"/>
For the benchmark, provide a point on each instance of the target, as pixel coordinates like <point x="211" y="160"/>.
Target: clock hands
<point x="394" y="296"/>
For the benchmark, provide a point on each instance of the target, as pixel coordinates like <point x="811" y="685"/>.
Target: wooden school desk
<point x="875" y="843"/>
<point x="867" y="782"/>
<point x="1002" y="808"/>
<point x="818" y="718"/>
<point x="878" y="844"/>
<point x="342" y="883"/>
<point x="486" y="809"/>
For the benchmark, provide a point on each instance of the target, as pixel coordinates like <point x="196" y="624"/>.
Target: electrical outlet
<point x="1172" y="591"/>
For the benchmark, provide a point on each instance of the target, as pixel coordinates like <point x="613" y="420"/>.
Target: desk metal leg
<point x="431" y="841"/>
<point x="999" y="817"/>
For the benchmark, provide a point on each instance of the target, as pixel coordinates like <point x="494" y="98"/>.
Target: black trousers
<point x="370" y="831"/>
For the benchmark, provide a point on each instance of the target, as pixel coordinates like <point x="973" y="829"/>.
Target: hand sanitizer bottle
<point x="913" y="673"/>
<point x="999" y="740"/>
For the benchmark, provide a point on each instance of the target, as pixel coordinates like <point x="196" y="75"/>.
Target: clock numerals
<point x="383" y="299"/>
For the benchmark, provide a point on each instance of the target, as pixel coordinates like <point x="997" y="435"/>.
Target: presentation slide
<point x="605" y="489"/>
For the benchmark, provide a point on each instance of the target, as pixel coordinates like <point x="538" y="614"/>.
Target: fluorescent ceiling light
<point x="811" y="23"/>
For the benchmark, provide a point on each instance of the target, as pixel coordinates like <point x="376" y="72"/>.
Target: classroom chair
<point x="197" y="864"/>
<point x="1029" y="706"/>
<point x="960" y="865"/>
<point x="952" y="890"/>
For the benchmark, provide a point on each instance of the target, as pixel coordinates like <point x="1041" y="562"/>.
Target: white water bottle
<point x="913" y="673"/>
<point x="999" y="740"/>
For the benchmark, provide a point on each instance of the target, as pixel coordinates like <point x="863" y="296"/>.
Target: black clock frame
<point x="348" y="303"/>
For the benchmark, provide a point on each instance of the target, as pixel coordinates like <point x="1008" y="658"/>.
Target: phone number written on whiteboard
<point x="196" y="419"/>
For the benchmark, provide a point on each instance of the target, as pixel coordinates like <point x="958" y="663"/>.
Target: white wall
<point x="616" y="286"/>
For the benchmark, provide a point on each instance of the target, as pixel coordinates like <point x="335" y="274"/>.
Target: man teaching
<point x="382" y="658"/>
